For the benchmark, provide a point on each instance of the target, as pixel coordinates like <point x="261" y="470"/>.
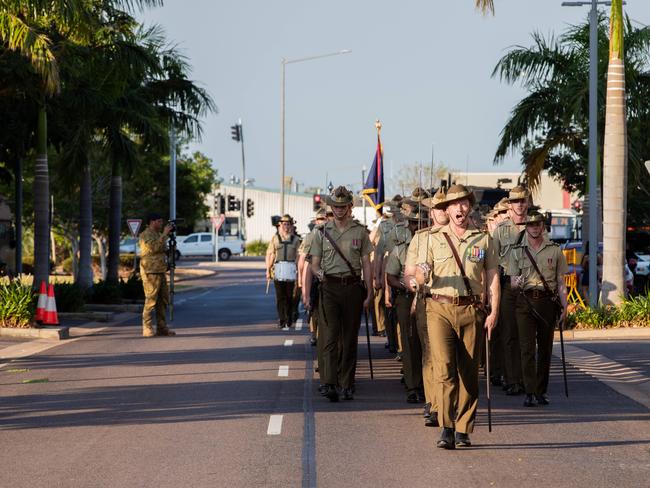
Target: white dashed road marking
<point x="288" y="342"/>
<point x="299" y="324"/>
<point x="283" y="371"/>
<point x="275" y="425"/>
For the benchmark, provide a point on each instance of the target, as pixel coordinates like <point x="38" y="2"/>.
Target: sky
<point x="422" y="67"/>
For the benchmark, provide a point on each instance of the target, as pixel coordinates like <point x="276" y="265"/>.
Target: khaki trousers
<point x="156" y="298"/>
<point x="509" y="335"/>
<point x="536" y="336"/>
<point x="411" y="347"/>
<point x="338" y="325"/>
<point x="455" y="335"/>
<point x="428" y="373"/>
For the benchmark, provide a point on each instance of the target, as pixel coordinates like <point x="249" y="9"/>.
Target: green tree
<point x="550" y="124"/>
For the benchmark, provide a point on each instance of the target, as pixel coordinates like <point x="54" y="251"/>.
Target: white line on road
<point x="275" y="425"/>
<point x="283" y="371"/>
<point x="299" y="324"/>
<point x="288" y="342"/>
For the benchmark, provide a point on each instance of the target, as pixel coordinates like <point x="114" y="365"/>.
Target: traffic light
<point x="221" y="204"/>
<point x="236" y="132"/>
<point x="231" y="203"/>
<point x="318" y="202"/>
<point x="250" y="207"/>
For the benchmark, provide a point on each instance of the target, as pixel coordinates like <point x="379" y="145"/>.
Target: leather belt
<point x="342" y="280"/>
<point x="464" y="300"/>
<point x="537" y="294"/>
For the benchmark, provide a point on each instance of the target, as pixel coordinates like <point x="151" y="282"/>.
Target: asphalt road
<point x="208" y="409"/>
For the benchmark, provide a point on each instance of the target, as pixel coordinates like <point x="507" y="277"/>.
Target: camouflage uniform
<point x="153" y="269"/>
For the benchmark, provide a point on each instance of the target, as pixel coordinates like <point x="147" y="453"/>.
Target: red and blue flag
<point x="373" y="189"/>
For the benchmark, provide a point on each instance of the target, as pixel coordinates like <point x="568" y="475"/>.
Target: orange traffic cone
<point x="42" y="303"/>
<point x="51" y="317"/>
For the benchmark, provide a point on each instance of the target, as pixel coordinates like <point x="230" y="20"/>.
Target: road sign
<point x="218" y="221"/>
<point x="134" y="226"/>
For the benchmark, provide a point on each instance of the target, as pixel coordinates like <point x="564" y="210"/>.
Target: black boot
<point x="529" y="401"/>
<point x="446" y="440"/>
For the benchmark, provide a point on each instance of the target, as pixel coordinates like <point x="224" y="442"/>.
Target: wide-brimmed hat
<point x="394" y="203"/>
<point x="518" y="193"/>
<point x="340" y="197"/>
<point x="418" y="215"/>
<point x="534" y="217"/>
<point x="286" y="218"/>
<point x="502" y="205"/>
<point x="456" y="192"/>
<point x="321" y="214"/>
<point x="435" y="199"/>
<point x="416" y="197"/>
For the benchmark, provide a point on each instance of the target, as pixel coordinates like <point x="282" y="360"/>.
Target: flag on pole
<point x="373" y="188"/>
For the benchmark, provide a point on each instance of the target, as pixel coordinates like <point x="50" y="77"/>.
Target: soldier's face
<point x="519" y="207"/>
<point x="535" y="229"/>
<point x="458" y="212"/>
<point x="285" y="227"/>
<point x="440" y="217"/>
<point x="156" y="225"/>
<point x="340" y="212"/>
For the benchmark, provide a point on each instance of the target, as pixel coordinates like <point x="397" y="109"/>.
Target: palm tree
<point x="615" y="165"/>
<point x="485" y="6"/>
<point x="23" y="28"/>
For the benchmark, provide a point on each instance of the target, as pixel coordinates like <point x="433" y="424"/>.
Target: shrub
<point x="69" y="297"/>
<point x="132" y="288"/>
<point x="16" y="305"/>
<point x="632" y="312"/>
<point x="256" y="248"/>
<point x="104" y="293"/>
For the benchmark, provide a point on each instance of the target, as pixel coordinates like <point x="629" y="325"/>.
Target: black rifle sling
<point x="460" y="264"/>
<point x="338" y="250"/>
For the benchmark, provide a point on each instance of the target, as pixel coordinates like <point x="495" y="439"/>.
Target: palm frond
<point x="485" y="6"/>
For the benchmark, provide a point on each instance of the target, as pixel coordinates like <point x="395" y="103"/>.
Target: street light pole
<point x="282" y="112"/>
<point x="592" y="171"/>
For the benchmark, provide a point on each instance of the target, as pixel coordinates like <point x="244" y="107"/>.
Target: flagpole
<point x="378" y="127"/>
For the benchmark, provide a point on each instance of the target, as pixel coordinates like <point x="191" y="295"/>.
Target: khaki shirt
<point x="153" y="247"/>
<point x="353" y="242"/>
<point x="399" y="234"/>
<point x="305" y="246"/>
<point x="417" y="249"/>
<point x="505" y="236"/>
<point x="550" y="261"/>
<point x="397" y="260"/>
<point x="385" y="226"/>
<point x="277" y="248"/>
<point x="477" y="253"/>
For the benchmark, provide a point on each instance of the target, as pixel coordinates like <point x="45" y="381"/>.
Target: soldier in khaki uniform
<point x="417" y="253"/>
<point x="343" y="295"/>
<point x="506" y="235"/>
<point x="308" y="285"/>
<point x="536" y="328"/>
<point x="153" y="269"/>
<point x="455" y="314"/>
<point x="388" y="220"/>
<point x="399" y="232"/>
<point x="284" y="248"/>
<point x="403" y="300"/>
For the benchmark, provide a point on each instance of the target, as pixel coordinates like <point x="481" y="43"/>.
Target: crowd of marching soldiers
<point x="436" y="278"/>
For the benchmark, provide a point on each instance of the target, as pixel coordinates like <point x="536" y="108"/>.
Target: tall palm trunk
<point x="85" y="273"/>
<point x="41" y="203"/>
<point x="114" y="223"/>
<point x="615" y="165"/>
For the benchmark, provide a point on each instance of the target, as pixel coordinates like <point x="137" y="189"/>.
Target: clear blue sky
<point x="422" y="67"/>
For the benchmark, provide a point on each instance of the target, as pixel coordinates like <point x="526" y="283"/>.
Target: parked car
<point x="129" y="245"/>
<point x="201" y="244"/>
<point x="642" y="264"/>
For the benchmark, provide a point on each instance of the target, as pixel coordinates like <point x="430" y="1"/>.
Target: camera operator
<point x="153" y="269"/>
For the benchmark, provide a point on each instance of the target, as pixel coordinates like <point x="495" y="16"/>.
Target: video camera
<point x="275" y="220"/>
